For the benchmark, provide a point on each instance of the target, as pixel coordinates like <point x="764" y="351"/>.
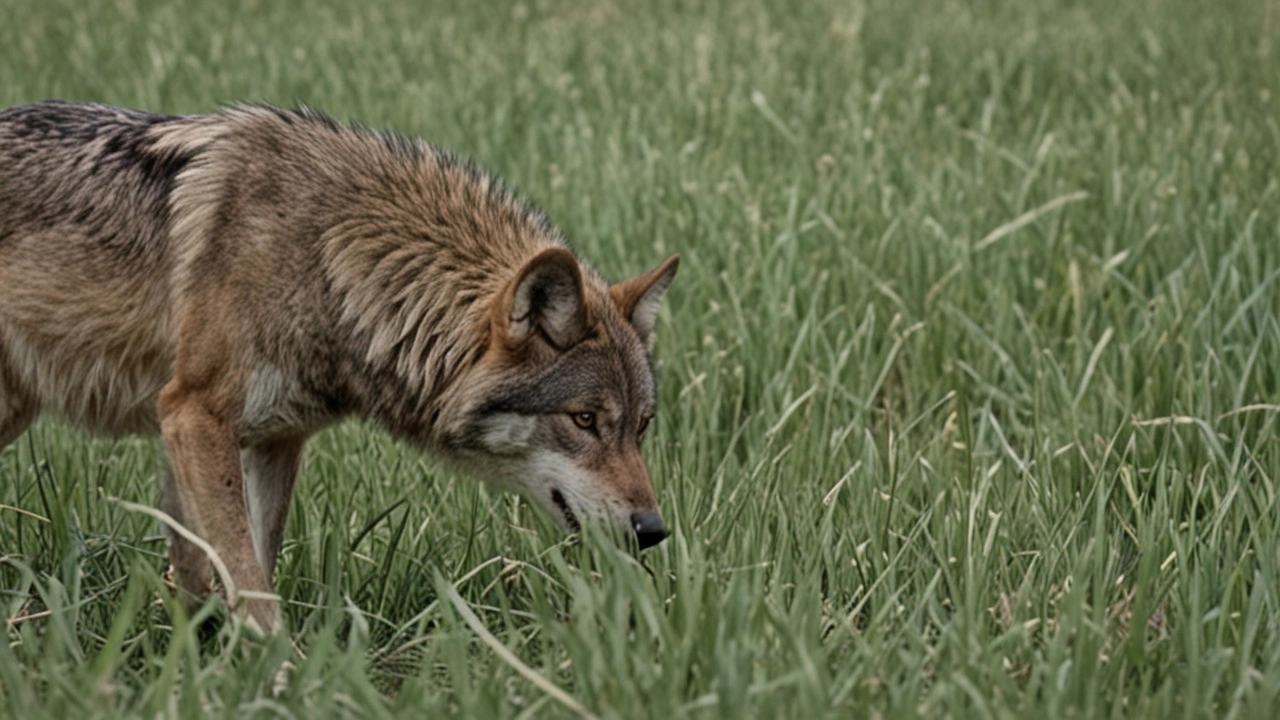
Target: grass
<point x="969" y="377"/>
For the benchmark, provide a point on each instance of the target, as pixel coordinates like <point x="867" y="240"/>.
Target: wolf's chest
<point x="277" y="404"/>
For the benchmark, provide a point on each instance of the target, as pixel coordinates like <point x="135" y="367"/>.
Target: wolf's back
<point x="85" y="261"/>
<point x="83" y="173"/>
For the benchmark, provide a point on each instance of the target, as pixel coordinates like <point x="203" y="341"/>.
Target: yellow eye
<point x="584" y="420"/>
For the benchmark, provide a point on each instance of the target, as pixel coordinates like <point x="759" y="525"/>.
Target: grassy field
<point x="969" y="377"/>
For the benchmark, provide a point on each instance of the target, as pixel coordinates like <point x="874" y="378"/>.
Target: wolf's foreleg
<point x="270" y="469"/>
<point x="192" y="571"/>
<point x="208" y="486"/>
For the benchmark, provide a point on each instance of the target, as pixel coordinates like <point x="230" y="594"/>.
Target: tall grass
<point x="970" y="377"/>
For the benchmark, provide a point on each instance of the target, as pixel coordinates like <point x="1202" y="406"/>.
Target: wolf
<point x="238" y="281"/>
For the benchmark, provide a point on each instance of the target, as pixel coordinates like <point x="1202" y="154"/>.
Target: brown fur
<point x="238" y="281"/>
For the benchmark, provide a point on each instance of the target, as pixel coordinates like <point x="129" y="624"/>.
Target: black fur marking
<point x="59" y="141"/>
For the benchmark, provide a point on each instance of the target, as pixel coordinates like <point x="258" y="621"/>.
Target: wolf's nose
<point x="650" y="530"/>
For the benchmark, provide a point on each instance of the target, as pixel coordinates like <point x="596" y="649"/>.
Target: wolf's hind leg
<point x="16" y="413"/>
<point x="270" y="470"/>
<point x="13" y="421"/>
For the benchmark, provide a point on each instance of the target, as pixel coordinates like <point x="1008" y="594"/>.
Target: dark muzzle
<point x="650" y="530"/>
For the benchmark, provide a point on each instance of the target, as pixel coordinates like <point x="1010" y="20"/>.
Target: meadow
<point x="970" y="378"/>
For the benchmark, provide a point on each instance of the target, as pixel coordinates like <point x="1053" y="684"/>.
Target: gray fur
<point x="240" y="280"/>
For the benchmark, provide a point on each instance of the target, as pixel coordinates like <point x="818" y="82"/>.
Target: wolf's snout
<point x="650" y="530"/>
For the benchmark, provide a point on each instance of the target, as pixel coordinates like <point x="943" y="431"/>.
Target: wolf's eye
<point x="585" y="420"/>
<point x="644" y="425"/>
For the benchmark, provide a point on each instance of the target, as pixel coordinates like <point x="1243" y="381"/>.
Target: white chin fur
<point x="546" y="471"/>
<point x="513" y="465"/>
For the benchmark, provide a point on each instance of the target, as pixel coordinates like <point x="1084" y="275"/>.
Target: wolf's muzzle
<point x="650" y="530"/>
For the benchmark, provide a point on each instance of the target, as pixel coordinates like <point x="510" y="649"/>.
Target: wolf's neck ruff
<point x="413" y="242"/>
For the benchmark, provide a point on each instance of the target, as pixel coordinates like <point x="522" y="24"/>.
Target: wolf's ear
<point x="546" y="297"/>
<point x="640" y="297"/>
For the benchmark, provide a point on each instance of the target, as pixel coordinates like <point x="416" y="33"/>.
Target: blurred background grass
<point x="969" y="377"/>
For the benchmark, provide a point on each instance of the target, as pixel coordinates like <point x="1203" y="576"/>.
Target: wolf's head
<point x="569" y="391"/>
